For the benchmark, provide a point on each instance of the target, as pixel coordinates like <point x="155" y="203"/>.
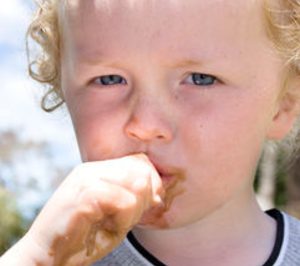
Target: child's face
<point x="204" y="131"/>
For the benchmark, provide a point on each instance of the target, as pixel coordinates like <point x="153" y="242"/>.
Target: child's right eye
<point x="109" y="80"/>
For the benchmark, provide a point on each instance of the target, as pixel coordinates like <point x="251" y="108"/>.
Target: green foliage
<point x="12" y="225"/>
<point x="281" y="179"/>
<point x="257" y="178"/>
<point x="280" y="195"/>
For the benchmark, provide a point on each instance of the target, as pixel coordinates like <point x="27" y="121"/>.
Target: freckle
<point x="176" y="96"/>
<point x="135" y="120"/>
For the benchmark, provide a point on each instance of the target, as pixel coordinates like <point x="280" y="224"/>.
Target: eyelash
<point x="200" y="79"/>
<point x="108" y="80"/>
<point x="197" y="79"/>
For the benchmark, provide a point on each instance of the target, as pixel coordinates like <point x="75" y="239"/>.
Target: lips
<point x="173" y="185"/>
<point x="168" y="175"/>
<point x="162" y="169"/>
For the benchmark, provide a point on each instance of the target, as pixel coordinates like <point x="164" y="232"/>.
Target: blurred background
<point x="38" y="149"/>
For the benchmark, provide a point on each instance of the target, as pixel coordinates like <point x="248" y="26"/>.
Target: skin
<point x="158" y="112"/>
<point x="90" y="213"/>
<point x="155" y="46"/>
<point x="202" y="141"/>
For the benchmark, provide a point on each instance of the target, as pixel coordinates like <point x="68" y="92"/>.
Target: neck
<point x="236" y="234"/>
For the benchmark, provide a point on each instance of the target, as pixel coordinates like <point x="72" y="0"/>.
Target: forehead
<point x="158" y="3"/>
<point x="215" y="26"/>
<point x="166" y="9"/>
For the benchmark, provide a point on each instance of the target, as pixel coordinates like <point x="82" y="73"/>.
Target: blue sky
<point x="19" y="95"/>
<point x="19" y="103"/>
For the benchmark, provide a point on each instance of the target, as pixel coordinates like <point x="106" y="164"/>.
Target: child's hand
<point x="94" y="208"/>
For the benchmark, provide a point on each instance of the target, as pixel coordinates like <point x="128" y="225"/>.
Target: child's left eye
<point x="109" y="80"/>
<point x="200" y="79"/>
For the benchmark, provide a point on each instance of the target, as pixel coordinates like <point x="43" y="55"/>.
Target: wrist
<point x="26" y="252"/>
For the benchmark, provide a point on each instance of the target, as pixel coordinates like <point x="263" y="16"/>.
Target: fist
<point x="95" y="207"/>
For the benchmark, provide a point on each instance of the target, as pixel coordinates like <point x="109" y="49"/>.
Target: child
<point x="171" y="102"/>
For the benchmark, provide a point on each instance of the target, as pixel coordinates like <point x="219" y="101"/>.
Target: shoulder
<point x="291" y="244"/>
<point x="293" y="222"/>
<point x="293" y="228"/>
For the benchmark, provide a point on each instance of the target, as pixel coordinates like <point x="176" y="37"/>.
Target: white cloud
<point x="19" y="101"/>
<point x="14" y="16"/>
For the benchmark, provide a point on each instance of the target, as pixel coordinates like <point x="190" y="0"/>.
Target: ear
<point x="284" y="117"/>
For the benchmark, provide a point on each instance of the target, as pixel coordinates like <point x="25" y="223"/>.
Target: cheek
<point x="96" y="138"/>
<point x="98" y="127"/>
<point x="224" y="139"/>
<point x="221" y="149"/>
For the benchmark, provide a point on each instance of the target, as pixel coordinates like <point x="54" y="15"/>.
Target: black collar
<point x="277" y="215"/>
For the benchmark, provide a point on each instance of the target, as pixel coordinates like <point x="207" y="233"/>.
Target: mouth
<point x="172" y="179"/>
<point x="169" y="175"/>
<point x="167" y="179"/>
<point x="163" y="171"/>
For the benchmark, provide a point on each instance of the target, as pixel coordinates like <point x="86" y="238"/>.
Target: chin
<point x="160" y="221"/>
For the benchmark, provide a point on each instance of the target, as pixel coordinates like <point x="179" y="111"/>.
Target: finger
<point x="103" y="199"/>
<point x="156" y="182"/>
<point x="131" y="172"/>
<point x="146" y="168"/>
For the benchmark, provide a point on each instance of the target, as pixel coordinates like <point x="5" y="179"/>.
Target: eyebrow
<point x="95" y="60"/>
<point x="177" y="64"/>
<point x="184" y="63"/>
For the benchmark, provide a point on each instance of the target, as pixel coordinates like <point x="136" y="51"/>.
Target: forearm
<point x="94" y="213"/>
<point x="26" y="252"/>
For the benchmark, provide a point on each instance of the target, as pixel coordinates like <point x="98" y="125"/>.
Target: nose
<point x="149" y="121"/>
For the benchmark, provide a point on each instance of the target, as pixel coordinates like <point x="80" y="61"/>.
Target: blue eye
<point x="200" y="79"/>
<point x="110" y="80"/>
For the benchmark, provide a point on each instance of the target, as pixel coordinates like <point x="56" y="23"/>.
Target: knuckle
<point x="129" y="202"/>
<point x="138" y="160"/>
<point x="141" y="185"/>
<point x="87" y="201"/>
<point x="122" y="199"/>
<point x="142" y="168"/>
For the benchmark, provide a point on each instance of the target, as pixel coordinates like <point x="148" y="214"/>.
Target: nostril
<point x="148" y="128"/>
<point x="144" y="133"/>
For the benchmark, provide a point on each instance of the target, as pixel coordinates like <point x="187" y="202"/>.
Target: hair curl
<point x="283" y="28"/>
<point x="44" y="55"/>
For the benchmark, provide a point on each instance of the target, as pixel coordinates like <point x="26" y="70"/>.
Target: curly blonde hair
<point x="282" y="25"/>
<point x="283" y="28"/>
<point x="44" y="55"/>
